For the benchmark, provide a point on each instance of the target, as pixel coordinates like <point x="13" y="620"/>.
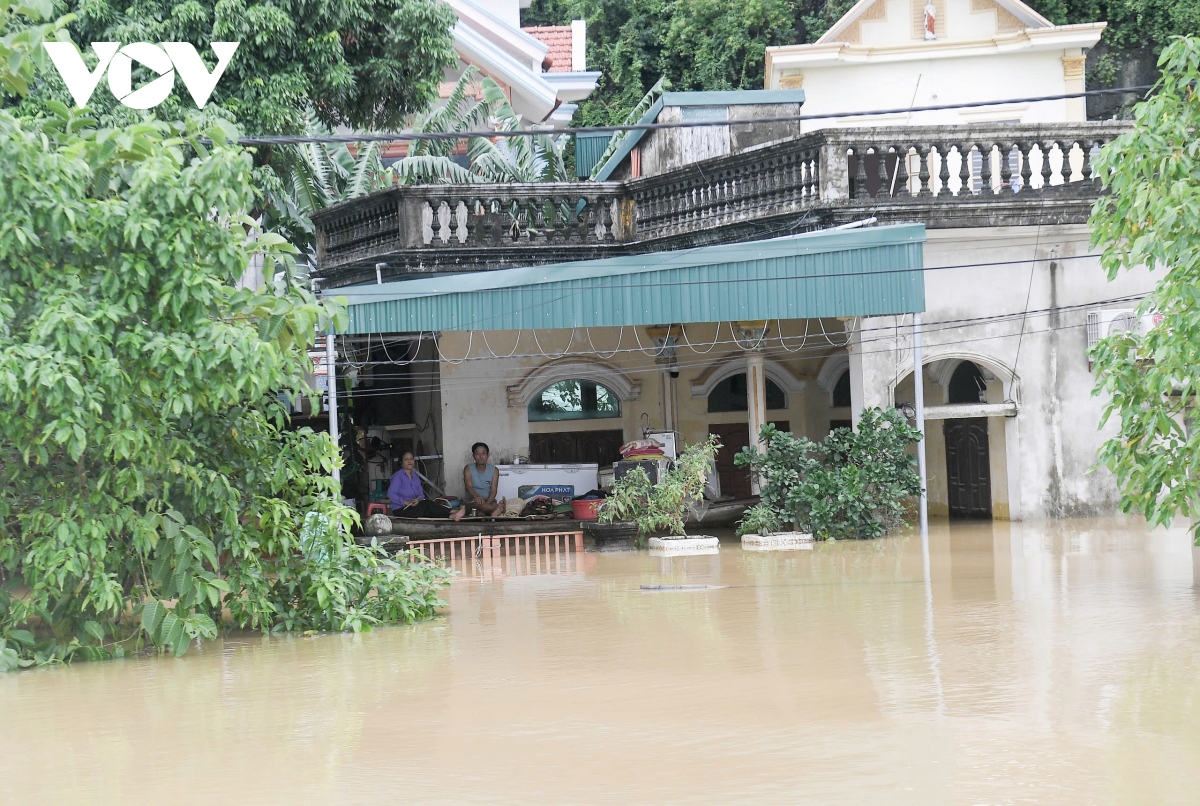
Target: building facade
<point x="539" y="351"/>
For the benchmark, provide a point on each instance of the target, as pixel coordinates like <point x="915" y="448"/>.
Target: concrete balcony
<point x="942" y="176"/>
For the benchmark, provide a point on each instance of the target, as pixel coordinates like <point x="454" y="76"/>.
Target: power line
<point x="478" y="382"/>
<point x="350" y="291"/>
<point x="369" y="137"/>
<point x="485" y="384"/>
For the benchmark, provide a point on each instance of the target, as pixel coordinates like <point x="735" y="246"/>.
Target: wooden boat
<point x="720" y="513"/>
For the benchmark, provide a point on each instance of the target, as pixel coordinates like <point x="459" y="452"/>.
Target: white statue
<point x="930" y="20"/>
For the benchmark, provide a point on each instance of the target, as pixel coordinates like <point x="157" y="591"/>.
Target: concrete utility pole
<point x="331" y="391"/>
<point x="919" y="393"/>
<point x="756" y="408"/>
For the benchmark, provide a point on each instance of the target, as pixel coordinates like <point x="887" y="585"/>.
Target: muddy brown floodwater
<point x="1040" y="663"/>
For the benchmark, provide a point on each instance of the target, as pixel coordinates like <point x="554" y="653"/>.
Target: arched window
<point x="967" y="384"/>
<point x="574" y="400"/>
<point x="841" y="392"/>
<point x="730" y="395"/>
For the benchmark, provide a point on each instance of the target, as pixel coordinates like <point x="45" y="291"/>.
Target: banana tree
<point x="313" y="176"/>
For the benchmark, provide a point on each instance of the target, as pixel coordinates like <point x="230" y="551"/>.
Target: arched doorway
<point x="968" y="460"/>
<point x="730" y="395"/>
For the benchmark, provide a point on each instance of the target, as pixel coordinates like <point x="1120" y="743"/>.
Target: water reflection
<point x="1006" y="663"/>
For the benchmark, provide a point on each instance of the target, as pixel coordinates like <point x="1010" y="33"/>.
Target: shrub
<point x="760" y="519"/>
<point x="149" y="481"/>
<point x="660" y="508"/>
<point x="853" y="484"/>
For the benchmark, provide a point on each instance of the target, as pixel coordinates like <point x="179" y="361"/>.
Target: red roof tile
<point x="558" y="39"/>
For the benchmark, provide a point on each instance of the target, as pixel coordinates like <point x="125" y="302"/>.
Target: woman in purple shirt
<point x="408" y="496"/>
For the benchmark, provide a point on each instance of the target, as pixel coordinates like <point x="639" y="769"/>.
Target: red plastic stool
<point x="381" y="509"/>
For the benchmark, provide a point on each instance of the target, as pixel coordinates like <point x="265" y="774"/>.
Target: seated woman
<point x="408" y="496"/>
<point x="481" y="480"/>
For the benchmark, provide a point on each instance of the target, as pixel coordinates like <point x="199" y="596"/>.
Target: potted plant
<point x="616" y="523"/>
<point x="761" y="529"/>
<point x="854" y="484"/>
<point x="647" y="509"/>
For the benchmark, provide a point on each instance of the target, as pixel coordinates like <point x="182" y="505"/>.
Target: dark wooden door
<point x="735" y="481"/>
<point x="569" y="447"/>
<point x="968" y="469"/>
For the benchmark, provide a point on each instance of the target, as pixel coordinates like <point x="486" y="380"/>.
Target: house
<point x="542" y="69"/>
<point x="896" y="54"/>
<point x="712" y="289"/>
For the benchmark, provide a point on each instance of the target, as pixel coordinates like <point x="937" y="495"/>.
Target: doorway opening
<point x="968" y="461"/>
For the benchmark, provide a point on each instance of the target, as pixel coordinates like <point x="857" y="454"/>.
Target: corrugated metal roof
<point x="589" y="148"/>
<point x="862" y="272"/>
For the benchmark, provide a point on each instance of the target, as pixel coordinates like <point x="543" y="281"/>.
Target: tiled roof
<point x="558" y="39"/>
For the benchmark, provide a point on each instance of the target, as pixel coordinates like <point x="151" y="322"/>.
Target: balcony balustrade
<point x="944" y="176"/>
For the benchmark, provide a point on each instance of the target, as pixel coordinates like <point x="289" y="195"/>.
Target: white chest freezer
<point x="580" y="478"/>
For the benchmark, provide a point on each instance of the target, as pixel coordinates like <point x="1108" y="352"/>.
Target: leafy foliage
<point x="660" y="508"/>
<point x="715" y="45"/>
<point x="148" y="480"/>
<point x="1136" y="28"/>
<point x="760" y="519"/>
<point x="359" y="63"/>
<point x="1151" y="217"/>
<point x="22" y="33"/>
<point x="853" y="484"/>
<point x="317" y="175"/>
<point x="694" y="44"/>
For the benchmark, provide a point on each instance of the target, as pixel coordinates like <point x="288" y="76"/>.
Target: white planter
<point x="780" y="541"/>
<point x="1196" y="566"/>
<point x="683" y="546"/>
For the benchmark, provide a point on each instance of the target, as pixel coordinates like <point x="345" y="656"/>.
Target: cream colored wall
<point x="1050" y="447"/>
<point x="474" y="386"/>
<point x="902" y="23"/>
<point x="853" y="87"/>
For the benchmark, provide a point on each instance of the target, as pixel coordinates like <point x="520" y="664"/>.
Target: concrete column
<point x="857" y="384"/>
<point x="756" y="403"/>
<point x="1073" y="81"/>
<point x="670" y="407"/>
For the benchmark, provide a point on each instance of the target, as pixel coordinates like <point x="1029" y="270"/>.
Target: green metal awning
<point x="861" y="272"/>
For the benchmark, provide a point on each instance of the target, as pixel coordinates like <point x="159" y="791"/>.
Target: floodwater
<point x="1035" y="663"/>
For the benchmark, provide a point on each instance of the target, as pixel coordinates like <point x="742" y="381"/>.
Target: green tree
<point x="714" y="45"/>
<point x="22" y="32"/>
<point x="148" y="479"/>
<point x="1137" y="32"/>
<point x="359" y="63"/>
<point x="1150" y="216"/>
<point x="694" y="44"/>
<point x="317" y="175"/>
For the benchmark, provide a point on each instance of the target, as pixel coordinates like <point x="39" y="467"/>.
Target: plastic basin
<point x="585" y="510"/>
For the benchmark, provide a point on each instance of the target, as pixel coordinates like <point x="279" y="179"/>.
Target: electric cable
<point x="711" y="347"/>
<point x="368" y="137"/>
<point x="465" y="384"/>
<point x="927" y="327"/>
<point x="598" y="354"/>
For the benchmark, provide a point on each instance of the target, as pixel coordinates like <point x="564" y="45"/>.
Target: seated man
<point x="481" y="480"/>
<point x="408" y="496"/>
